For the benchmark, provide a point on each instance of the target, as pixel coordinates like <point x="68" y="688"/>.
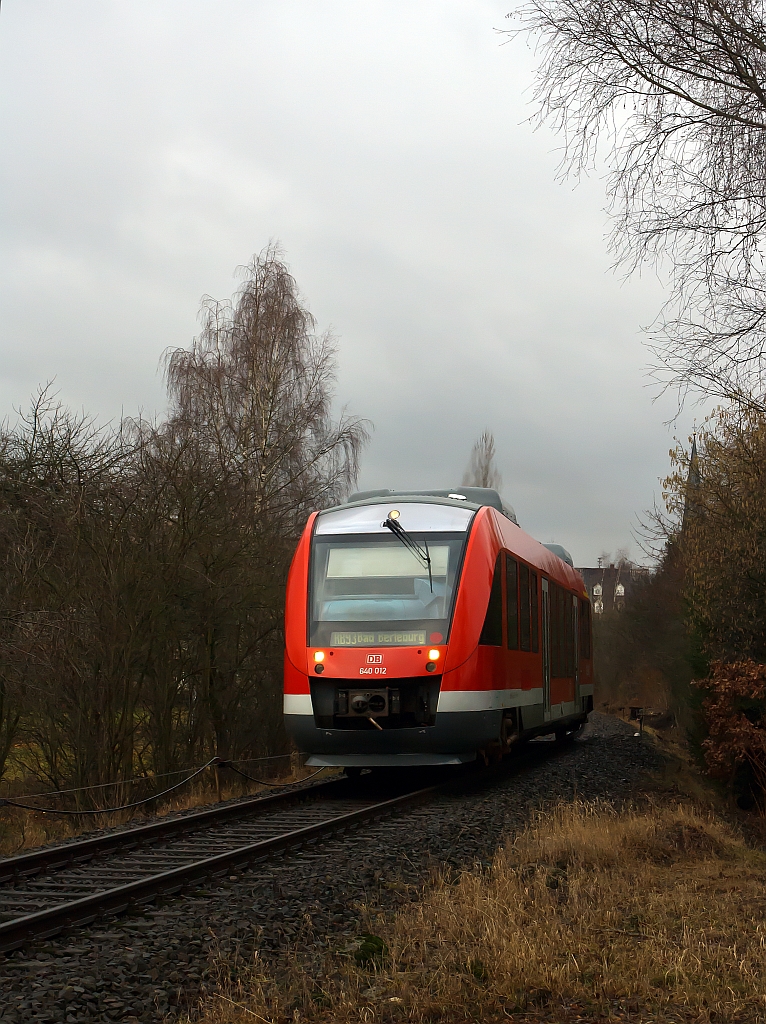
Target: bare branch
<point x="673" y="92"/>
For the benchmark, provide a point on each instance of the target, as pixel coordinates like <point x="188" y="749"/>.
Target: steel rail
<point x="116" y="900"/>
<point x="56" y="857"/>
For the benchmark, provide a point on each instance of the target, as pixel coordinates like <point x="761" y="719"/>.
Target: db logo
<point x="374" y="659"/>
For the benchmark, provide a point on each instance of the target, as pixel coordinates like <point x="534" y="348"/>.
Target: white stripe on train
<point x="457" y="700"/>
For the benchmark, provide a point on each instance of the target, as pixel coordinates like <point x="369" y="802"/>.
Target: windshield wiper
<point x="412" y="545"/>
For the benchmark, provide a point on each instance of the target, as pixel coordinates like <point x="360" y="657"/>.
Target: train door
<point x="546" y="651"/>
<point x="576" y="635"/>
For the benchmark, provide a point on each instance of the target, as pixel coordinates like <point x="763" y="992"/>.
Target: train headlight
<point x="433" y="655"/>
<point x="318" y="655"/>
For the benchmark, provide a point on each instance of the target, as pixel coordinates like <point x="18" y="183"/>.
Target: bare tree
<point x="74" y="624"/>
<point x="482" y="470"/>
<point x="256" y="390"/>
<point x="254" y="449"/>
<point x="142" y="568"/>
<point x="673" y="92"/>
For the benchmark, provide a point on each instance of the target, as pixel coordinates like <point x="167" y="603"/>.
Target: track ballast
<point x="48" y="890"/>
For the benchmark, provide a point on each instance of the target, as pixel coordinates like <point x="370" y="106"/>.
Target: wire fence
<point x="216" y="763"/>
<point x="262" y="782"/>
<point x="150" y="778"/>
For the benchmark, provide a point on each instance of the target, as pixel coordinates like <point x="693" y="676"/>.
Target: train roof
<point x="458" y="507"/>
<point x="471" y="497"/>
<point x="560" y="552"/>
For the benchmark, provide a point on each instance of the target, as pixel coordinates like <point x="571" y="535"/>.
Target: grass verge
<point x="592" y="913"/>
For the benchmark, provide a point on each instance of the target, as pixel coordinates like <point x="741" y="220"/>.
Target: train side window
<point x="512" y="601"/>
<point x="566" y="621"/>
<point x="557" y="632"/>
<point x="585" y="629"/>
<point x="571" y="607"/>
<point x="492" y="631"/>
<point x="554" y="628"/>
<point x="525" y="638"/>
<point x="535" y="612"/>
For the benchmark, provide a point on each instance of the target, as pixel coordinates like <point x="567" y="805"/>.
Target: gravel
<point x="140" y="967"/>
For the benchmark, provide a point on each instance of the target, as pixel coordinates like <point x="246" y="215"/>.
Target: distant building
<point x="611" y="588"/>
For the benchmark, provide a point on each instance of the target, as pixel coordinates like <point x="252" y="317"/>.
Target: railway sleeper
<point x="168" y="881"/>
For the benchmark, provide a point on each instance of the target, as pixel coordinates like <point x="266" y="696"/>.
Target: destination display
<point x="381" y="561"/>
<point x="377" y="639"/>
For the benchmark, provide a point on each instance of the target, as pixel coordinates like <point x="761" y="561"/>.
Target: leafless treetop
<point x="673" y="92"/>
<point x="482" y="470"/>
<point x="256" y="392"/>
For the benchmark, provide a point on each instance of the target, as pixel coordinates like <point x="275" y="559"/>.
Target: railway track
<point x="49" y="890"/>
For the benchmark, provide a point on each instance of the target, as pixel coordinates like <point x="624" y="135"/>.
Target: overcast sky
<point x="149" y="147"/>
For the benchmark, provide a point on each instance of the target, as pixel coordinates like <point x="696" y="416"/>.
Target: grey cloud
<point x="151" y="147"/>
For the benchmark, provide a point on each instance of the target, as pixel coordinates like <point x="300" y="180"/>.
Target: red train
<point x="427" y="628"/>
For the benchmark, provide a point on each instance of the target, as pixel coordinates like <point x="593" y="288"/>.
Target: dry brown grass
<point x="656" y="914"/>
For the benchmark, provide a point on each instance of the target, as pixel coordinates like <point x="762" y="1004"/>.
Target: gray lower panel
<point x="385" y="760"/>
<point x="533" y="716"/>
<point x="455" y="737"/>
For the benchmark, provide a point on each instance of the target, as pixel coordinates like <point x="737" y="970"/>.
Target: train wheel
<point x="565" y="735"/>
<point x="491" y="755"/>
<point x="495" y="754"/>
<point x="509" y="733"/>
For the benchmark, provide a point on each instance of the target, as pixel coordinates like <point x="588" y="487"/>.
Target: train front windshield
<point x="375" y="592"/>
